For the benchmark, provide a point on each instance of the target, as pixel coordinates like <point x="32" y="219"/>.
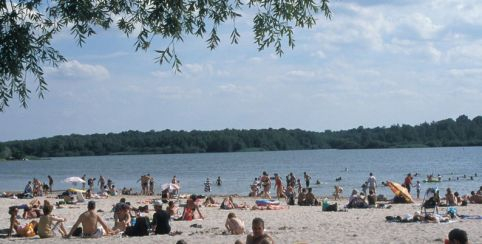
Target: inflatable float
<point x="266" y="202"/>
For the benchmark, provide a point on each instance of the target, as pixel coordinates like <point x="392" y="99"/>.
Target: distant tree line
<point x="444" y="133"/>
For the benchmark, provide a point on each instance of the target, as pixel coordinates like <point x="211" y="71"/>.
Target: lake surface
<point x="238" y="170"/>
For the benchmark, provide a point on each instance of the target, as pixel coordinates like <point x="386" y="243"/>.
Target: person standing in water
<point x="207" y="185"/>
<point x="218" y="181"/>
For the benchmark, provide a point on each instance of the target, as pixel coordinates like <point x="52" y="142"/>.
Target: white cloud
<point x="74" y="70"/>
<point x="462" y="73"/>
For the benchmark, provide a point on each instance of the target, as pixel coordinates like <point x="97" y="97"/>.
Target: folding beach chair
<point x="431" y="200"/>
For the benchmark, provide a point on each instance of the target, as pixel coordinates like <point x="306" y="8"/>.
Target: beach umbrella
<point x="400" y="191"/>
<point x="170" y="186"/>
<point x="74" y="180"/>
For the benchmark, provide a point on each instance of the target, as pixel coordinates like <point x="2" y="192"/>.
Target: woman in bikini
<point x="266" y="183"/>
<point x="27" y="230"/>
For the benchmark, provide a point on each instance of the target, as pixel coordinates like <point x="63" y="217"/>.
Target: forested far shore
<point x="444" y="133"/>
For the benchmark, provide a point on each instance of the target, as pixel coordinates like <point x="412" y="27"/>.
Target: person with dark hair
<point x="457" y="236"/>
<point x="160" y="220"/>
<point x="89" y="220"/>
<point x="51" y="183"/>
<point x="27" y="230"/>
<point x="258" y="236"/>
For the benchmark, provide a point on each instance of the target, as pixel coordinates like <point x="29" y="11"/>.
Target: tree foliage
<point x="27" y="28"/>
<point x="444" y="133"/>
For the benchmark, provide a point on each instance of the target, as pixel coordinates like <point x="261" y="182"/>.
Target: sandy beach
<point x="293" y="224"/>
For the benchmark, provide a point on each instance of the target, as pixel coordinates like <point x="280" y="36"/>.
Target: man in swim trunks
<point x="89" y="220"/>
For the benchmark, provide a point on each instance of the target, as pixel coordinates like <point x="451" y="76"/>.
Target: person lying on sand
<point x="234" y="225"/>
<point x="89" y="220"/>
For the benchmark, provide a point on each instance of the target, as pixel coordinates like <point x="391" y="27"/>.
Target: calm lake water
<point x="238" y="170"/>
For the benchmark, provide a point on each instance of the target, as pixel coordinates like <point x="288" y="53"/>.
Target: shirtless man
<point x="89" y="220"/>
<point x="258" y="236"/>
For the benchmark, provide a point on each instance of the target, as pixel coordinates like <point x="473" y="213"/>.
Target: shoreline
<point x="291" y="224"/>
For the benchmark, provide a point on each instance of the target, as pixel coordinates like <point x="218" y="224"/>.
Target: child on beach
<point x="258" y="235"/>
<point x="234" y="225"/>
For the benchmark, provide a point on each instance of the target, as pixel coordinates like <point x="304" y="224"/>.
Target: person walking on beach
<point x="101" y="182"/>
<point x="279" y="186"/>
<point x="89" y="220"/>
<point x="418" y="187"/>
<point x="51" y="183"/>
<point x="91" y="182"/>
<point x="372" y="183"/>
<point x="307" y="179"/>
<point x="151" y="185"/>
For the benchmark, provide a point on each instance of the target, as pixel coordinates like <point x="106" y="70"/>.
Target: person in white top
<point x="372" y="183"/>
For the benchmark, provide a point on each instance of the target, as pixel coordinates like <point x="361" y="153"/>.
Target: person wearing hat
<point x="160" y="220"/>
<point x="89" y="220"/>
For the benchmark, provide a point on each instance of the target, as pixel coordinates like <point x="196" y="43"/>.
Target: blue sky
<point x="373" y="64"/>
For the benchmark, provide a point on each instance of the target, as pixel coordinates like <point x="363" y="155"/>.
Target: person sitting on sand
<point x="89" y="220"/>
<point x="191" y="211"/>
<point x="474" y="198"/>
<point x="479" y="192"/>
<point x="258" y="236"/>
<point x="27" y="230"/>
<point x="160" y="220"/>
<point x="227" y="204"/>
<point x="450" y="198"/>
<point x="310" y="199"/>
<point x="290" y="194"/>
<point x="46" y="224"/>
<point x="356" y="201"/>
<point x="172" y="210"/>
<point x="372" y="199"/>
<point x="301" y="198"/>
<point x="234" y="225"/>
<point x="457" y="236"/>
<point x="122" y="218"/>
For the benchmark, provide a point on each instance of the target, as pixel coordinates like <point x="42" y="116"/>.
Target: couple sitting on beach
<point x="45" y="227"/>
